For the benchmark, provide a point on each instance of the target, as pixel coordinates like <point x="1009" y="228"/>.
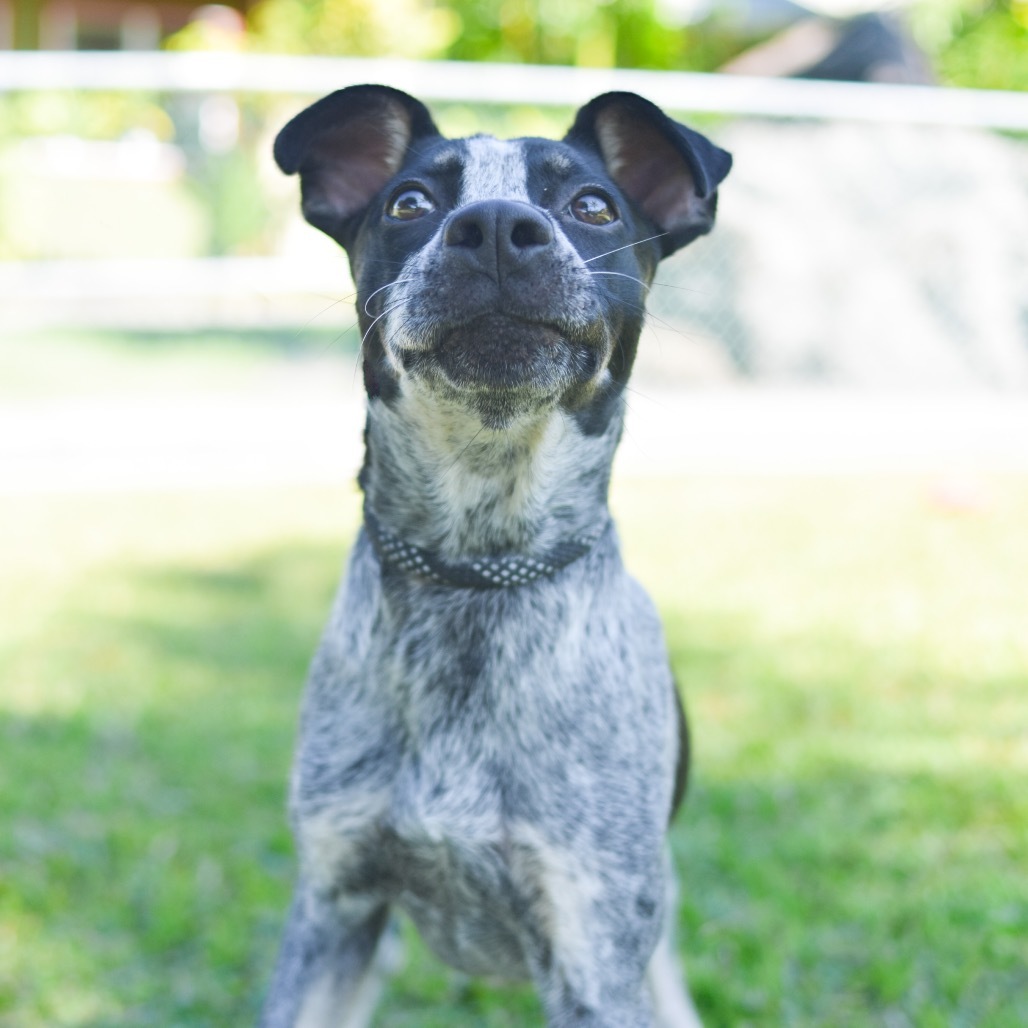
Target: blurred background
<point x="873" y="235"/>
<point x="824" y="483"/>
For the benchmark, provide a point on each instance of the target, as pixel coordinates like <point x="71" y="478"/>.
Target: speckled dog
<point x="491" y="739"/>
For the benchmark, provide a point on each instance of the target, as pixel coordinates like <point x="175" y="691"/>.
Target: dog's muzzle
<point x="503" y="294"/>
<point x="501" y="239"/>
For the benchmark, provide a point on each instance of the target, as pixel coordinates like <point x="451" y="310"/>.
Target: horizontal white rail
<point x="508" y="83"/>
<point x="47" y="281"/>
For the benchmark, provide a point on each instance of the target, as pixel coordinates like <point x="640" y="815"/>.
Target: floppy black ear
<point x="669" y="171"/>
<point x="346" y="147"/>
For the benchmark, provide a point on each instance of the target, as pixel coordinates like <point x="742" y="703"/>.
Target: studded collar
<point x="496" y="572"/>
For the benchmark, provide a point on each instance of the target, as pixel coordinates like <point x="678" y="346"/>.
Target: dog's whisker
<point x="617" y="301"/>
<point x="676" y="329"/>
<point x="388" y="285"/>
<point x="683" y="289"/>
<point x="648" y="397"/>
<point x="649" y="285"/>
<point x="649" y="318"/>
<point x="383" y="260"/>
<point x="464" y="450"/>
<point x="656" y="336"/>
<point x="360" y="347"/>
<point x="621" y="274"/>
<point x="387" y="310"/>
<point x="307" y="324"/>
<point x="338" y="338"/>
<point x="627" y="246"/>
<point x="648" y="315"/>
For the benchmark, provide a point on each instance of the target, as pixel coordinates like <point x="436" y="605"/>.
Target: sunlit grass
<point x="857" y="665"/>
<point x="853" y="657"/>
<point x="853" y="653"/>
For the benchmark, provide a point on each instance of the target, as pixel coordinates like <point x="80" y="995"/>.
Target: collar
<point x="500" y="572"/>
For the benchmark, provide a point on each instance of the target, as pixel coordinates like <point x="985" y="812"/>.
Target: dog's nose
<point x="496" y="234"/>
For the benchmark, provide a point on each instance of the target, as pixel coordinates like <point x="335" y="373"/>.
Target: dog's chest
<point x="441" y="840"/>
<point x="446" y="844"/>
<point x="426" y="806"/>
<point x="464" y="745"/>
<point x="482" y="715"/>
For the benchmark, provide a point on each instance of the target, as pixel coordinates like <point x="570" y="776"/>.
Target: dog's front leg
<point x="594" y="929"/>
<point x="326" y="975"/>
<point x="594" y="1003"/>
<point x="674" y="1005"/>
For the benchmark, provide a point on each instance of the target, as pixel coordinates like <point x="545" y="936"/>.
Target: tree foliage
<point x="363" y="28"/>
<point x="970" y="42"/>
<point x="616" y="33"/>
<point x="984" y="45"/>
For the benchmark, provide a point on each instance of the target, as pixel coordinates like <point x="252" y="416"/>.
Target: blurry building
<point x="840" y="40"/>
<point x="99" y="24"/>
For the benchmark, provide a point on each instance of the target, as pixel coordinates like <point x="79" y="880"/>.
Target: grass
<point x="855" y="661"/>
<point x="857" y="666"/>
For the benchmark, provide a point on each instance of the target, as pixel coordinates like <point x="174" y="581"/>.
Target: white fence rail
<point x="868" y="235"/>
<point x="505" y="83"/>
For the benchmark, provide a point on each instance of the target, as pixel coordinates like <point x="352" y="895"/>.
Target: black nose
<point x="495" y="236"/>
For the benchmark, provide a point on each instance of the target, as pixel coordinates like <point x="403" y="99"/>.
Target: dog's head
<point x="508" y="276"/>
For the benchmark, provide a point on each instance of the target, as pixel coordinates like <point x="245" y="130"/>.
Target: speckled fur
<point x="497" y="763"/>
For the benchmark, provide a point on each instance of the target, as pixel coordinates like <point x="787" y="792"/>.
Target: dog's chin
<point x="501" y="367"/>
<point x="502" y="353"/>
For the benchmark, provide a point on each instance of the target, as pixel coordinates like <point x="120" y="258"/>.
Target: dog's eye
<point x="410" y="204"/>
<point x="593" y="209"/>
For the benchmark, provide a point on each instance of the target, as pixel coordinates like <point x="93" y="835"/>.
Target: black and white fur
<point x="500" y="763"/>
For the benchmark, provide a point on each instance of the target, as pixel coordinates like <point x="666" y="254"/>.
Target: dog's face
<point x="505" y="276"/>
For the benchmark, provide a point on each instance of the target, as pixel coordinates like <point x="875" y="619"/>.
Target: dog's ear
<point x="346" y="147"/>
<point x="669" y="171"/>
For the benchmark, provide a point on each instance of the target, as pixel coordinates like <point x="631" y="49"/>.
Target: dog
<point x="490" y="739"/>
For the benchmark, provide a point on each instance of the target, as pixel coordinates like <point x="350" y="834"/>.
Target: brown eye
<point x="410" y="204"/>
<point x="593" y="209"/>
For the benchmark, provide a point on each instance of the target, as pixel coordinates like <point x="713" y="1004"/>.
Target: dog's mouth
<point x="499" y="351"/>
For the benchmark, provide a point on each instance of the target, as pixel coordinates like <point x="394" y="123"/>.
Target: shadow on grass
<point x="148" y="866"/>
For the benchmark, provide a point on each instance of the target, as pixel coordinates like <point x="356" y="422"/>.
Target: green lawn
<point x="853" y="653"/>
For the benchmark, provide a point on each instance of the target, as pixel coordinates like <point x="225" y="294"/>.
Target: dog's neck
<point x="439" y="480"/>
